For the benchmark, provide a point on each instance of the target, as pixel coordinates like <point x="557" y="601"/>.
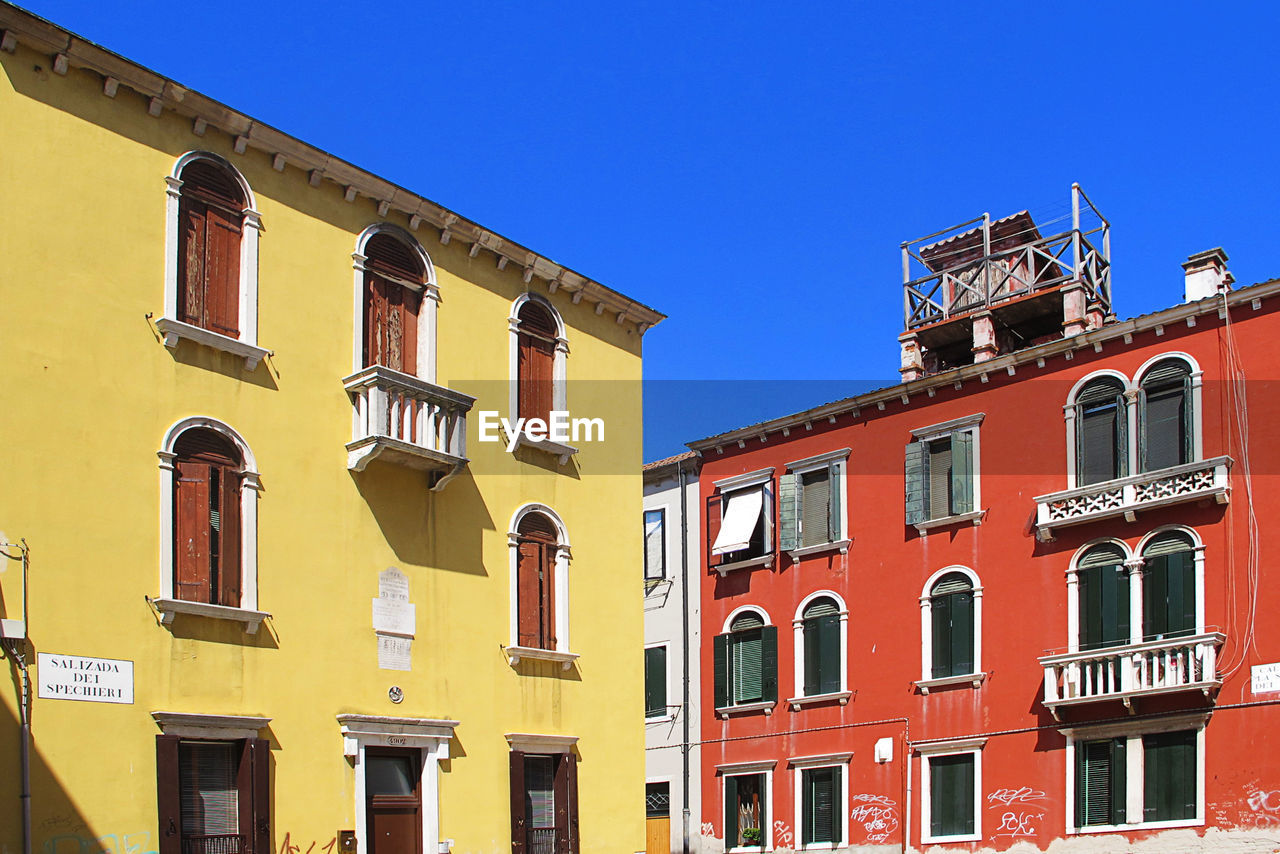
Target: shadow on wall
<point x="57" y="825"/>
<point x="442" y="530"/>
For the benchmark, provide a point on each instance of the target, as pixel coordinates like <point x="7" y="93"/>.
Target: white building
<point x="672" y="724"/>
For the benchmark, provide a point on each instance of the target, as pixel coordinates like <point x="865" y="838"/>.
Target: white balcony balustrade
<point x="406" y="421"/>
<point x="1127" y="496"/>
<point x="1133" y="670"/>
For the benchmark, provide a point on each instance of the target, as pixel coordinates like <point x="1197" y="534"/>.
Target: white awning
<point x="739" y="520"/>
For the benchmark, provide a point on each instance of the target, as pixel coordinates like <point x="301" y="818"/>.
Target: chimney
<point x="1207" y="275"/>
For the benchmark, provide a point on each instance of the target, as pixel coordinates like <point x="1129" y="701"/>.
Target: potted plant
<point x="751" y="835"/>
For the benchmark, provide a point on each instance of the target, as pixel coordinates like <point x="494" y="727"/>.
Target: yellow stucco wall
<point x="89" y="391"/>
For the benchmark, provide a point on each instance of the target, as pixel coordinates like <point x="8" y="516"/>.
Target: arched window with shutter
<point x="1101" y="424"/>
<point x="1166" y="421"/>
<point x="394" y="281"/>
<point x="1169" y="588"/>
<point x="539" y="549"/>
<point x="1103" y="597"/>
<point x="746" y="661"/>
<point x="535" y="377"/>
<point x="820" y="638"/>
<point x="952" y="618"/>
<point x="211" y="227"/>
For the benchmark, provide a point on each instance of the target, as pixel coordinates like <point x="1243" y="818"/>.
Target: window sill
<point x="968" y="837"/>
<point x="765" y="706"/>
<point x="1144" y="825"/>
<point x="660" y="719"/>
<point x="546" y="446"/>
<point x="516" y="653"/>
<point x="945" y="521"/>
<point x="975" y="679"/>
<point x="175" y="331"/>
<point x="170" y="608"/>
<point x="842" y="545"/>
<point x="763" y="560"/>
<point x="841" y="697"/>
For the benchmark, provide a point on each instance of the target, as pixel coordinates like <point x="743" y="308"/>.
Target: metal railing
<point x="226" y="843"/>
<point x="541" y="840"/>
<point x="1133" y="670"/>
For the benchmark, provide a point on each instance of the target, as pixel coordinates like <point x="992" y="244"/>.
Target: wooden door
<point x="393" y="801"/>
<point x="657" y="835"/>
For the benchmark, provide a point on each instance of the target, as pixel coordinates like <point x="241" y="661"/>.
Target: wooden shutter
<point x="917" y="490"/>
<point x="769" y="663"/>
<point x="720" y="670"/>
<point x="939" y="478"/>
<point x="536" y="337"/>
<point x="962" y="629"/>
<point x="835" y="528"/>
<point x="547" y="596"/>
<point x="571" y="775"/>
<point x="815" y="504"/>
<point x="168" y="799"/>
<point x="518" y="811"/>
<point x="821" y="634"/>
<point x="730" y="812"/>
<point x="1164" y="416"/>
<point x="655" y="681"/>
<point x="789" y="500"/>
<point x="191" y="261"/>
<point x="962" y="472"/>
<point x="528" y="592"/>
<point x="222" y="271"/>
<point x="560" y="788"/>
<point x="192" y="563"/>
<point x="1169" y="771"/>
<point x="260" y="763"/>
<point x="211" y="222"/>
<point x="715" y="512"/>
<point x="229" y="557"/>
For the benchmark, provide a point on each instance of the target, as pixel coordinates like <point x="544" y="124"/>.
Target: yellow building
<point x="285" y="592"/>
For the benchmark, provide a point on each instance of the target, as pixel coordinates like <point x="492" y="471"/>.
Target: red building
<point x="1017" y="598"/>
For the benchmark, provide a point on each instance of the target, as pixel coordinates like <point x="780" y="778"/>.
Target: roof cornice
<point x="18" y="26"/>
<point x="1008" y="363"/>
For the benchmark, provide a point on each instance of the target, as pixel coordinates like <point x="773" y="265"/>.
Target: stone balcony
<point x="1134" y="670"/>
<point x="1128" y="496"/>
<point x="406" y="421"/>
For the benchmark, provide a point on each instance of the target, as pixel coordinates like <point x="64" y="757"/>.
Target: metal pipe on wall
<point x="684" y="648"/>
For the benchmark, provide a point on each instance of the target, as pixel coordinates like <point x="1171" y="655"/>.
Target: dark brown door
<point x="394" y="801"/>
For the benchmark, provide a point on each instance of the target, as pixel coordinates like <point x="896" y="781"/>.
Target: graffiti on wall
<point x="876" y="815"/>
<point x="1264" y="805"/>
<point x="138" y="842"/>
<point x="289" y="846"/>
<point x="781" y="834"/>
<point x="1022" y="808"/>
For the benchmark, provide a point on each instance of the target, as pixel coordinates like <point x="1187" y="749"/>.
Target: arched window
<point x="823" y="664"/>
<point x="1165" y="419"/>
<point x="211" y="214"/>
<point x="1169" y="592"/>
<point x="394" y="281"/>
<point x="537" y="331"/>
<point x="209" y="502"/>
<point x="746" y="661"/>
<point x="1100" y="425"/>
<point x="952" y="626"/>
<point x="535" y="585"/>
<point x="1103" y="597"/>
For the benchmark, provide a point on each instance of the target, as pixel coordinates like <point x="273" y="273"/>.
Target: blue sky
<point x="751" y="169"/>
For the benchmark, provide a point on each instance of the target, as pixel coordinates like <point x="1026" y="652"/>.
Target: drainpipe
<point x="16" y="648"/>
<point x="684" y="646"/>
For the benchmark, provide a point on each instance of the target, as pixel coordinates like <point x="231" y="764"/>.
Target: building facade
<point x="672" y="628"/>
<point x="276" y="584"/>
<point x="1017" y="601"/>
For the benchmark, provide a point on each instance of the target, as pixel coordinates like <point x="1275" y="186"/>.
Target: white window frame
<point x="1135" y="565"/>
<point x="175" y="330"/>
<point x="750" y="769"/>
<point x="250" y="486"/>
<point x="1135" y="758"/>
<point x="559" y="375"/>
<point x="926" y="633"/>
<point x="429" y="736"/>
<point x="816" y="463"/>
<point x="756" y="705"/>
<point x="800" y="764"/>
<point x="945" y="430"/>
<point x="950" y="748"/>
<point x="798" y="699"/>
<point x="762" y="478"/>
<point x="427" y="312"/>
<point x="671" y="710"/>
<point x="562" y="653"/>
<point x="1132" y="388"/>
<point x="666" y="576"/>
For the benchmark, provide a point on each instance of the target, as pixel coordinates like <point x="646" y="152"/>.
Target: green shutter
<point x="1101" y="444"/>
<point x="788" y="498"/>
<point x="820" y="795"/>
<point x="951" y="795"/>
<point x="917" y="491"/>
<point x="720" y="668"/>
<point x="812" y="666"/>
<point x="962" y="473"/>
<point x="1119" y="784"/>
<point x="730" y="812"/>
<point x="952" y="625"/>
<point x="940" y="478"/>
<point x="961" y="633"/>
<point x="655" y="681"/>
<point x="835" y="527"/>
<point x="1103" y="598"/>
<point x="1100" y="782"/>
<point x="1165" y="419"/>
<point x="940" y="614"/>
<point x="745" y="650"/>
<point x="769" y="664"/>
<point x="1169" y="787"/>
<point x="828" y="655"/>
<point x="815" y="508"/>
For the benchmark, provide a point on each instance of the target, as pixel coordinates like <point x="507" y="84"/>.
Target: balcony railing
<point x="1134" y="670"/>
<point x="227" y="843"/>
<point x="542" y="840"/>
<point x="407" y="421"/>
<point x="1127" y="496"/>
